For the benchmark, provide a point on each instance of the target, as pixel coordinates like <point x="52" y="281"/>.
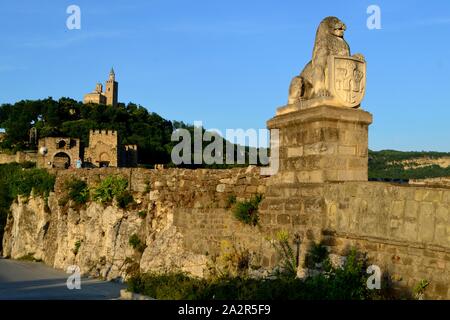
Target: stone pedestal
<point x="322" y="144"/>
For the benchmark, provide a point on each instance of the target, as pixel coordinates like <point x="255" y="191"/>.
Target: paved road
<point x="36" y="281"/>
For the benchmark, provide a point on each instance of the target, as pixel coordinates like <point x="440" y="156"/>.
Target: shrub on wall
<point x="247" y="211"/>
<point x="124" y="199"/>
<point x="113" y="187"/>
<point x="317" y="254"/>
<point x="231" y="201"/>
<point x="76" y="247"/>
<point x="142" y="214"/>
<point x="136" y="243"/>
<point x="77" y="191"/>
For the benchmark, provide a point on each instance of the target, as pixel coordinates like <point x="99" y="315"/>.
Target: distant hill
<point x="391" y="164"/>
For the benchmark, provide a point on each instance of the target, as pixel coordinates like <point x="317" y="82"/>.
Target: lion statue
<point x="311" y="83"/>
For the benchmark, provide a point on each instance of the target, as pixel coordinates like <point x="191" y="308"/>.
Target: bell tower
<point x="112" y="88"/>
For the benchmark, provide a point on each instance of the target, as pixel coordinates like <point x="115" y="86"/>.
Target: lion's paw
<point x="359" y="56"/>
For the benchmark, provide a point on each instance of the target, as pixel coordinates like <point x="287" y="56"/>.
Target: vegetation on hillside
<point x="152" y="134"/>
<point x="68" y="117"/>
<point x="387" y="164"/>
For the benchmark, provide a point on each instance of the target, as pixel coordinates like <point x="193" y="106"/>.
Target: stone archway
<point x="61" y="160"/>
<point x="104" y="160"/>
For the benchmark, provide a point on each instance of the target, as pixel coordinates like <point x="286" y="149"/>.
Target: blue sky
<point x="229" y="63"/>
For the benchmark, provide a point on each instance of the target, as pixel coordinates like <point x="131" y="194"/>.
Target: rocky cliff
<point x="97" y="238"/>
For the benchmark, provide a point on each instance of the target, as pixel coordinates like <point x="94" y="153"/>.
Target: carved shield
<point x="347" y="76"/>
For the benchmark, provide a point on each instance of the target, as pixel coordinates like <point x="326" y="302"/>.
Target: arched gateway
<point x="61" y="160"/>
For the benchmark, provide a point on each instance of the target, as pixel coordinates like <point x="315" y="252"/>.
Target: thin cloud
<point x="434" y="22"/>
<point x="71" y="38"/>
<point x="9" y="68"/>
<point x="229" y="27"/>
<point x="404" y="25"/>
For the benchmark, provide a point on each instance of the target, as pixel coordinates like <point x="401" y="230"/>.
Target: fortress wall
<point x="7" y="158"/>
<point x="404" y="229"/>
<point x="18" y="157"/>
<point x="177" y="182"/>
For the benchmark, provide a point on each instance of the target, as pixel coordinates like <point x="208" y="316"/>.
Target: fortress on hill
<point x="109" y="96"/>
<point x="105" y="146"/>
<point x="105" y="150"/>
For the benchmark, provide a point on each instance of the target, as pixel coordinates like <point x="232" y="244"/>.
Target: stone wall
<point x="404" y="229"/>
<point x="323" y="144"/>
<point x="18" y="157"/>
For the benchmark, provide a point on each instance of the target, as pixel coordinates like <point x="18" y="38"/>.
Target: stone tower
<point x="98" y="88"/>
<point x="103" y="150"/>
<point x="112" y="88"/>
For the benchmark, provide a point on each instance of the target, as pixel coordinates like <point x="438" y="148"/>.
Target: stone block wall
<point x="18" y="157"/>
<point x="323" y="144"/>
<point x="404" y="229"/>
